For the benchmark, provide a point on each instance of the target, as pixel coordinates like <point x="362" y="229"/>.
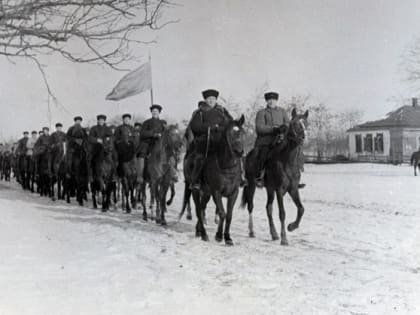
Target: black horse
<point x="6" y="166"/>
<point x="106" y="181"/>
<point x="57" y="165"/>
<point x="77" y="172"/>
<point x="282" y="175"/>
<point x="221" y="178"/>
<point x="127" y="172"/>
<point x="415" y="161"/>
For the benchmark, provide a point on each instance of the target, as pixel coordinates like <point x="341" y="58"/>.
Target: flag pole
<point x="151" y="79"/>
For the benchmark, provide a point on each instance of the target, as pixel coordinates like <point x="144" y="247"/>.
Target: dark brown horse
<point x="221" y="178"/>
<point x="57" y="165"/>
<point x="161" y="169"/>
<point x="6" y="166"/>
<point x="282" y="175"/>
<point x="106" y="181"/>
<point x="415" y="161"/>
<point x="127" y="172"/>
<point x="77" y="172"/>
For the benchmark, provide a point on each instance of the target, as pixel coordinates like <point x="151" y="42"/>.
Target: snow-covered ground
<point x="357" y="252"/>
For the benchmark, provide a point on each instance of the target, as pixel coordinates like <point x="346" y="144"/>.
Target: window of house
<point x="358" y="143"/>
<point x="379" y="143"/>
<point x="369" y="143"/>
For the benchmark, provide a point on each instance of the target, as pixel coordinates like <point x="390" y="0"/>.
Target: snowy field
<point x="357" y="251"/>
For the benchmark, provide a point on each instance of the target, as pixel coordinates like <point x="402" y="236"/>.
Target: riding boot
<point x="196" y="173"/>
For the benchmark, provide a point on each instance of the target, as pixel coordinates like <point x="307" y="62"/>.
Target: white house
<point x="392" y="139"/>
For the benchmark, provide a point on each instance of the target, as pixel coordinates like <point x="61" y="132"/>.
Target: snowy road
<point x="356" y="252"/>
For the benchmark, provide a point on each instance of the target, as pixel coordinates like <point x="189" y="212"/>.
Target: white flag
<point x="135" y="82"/>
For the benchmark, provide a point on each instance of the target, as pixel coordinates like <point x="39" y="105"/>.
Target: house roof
<point x="405" y="116"/>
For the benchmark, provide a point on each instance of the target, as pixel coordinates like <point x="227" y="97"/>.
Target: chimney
<point x="414" y="101"/>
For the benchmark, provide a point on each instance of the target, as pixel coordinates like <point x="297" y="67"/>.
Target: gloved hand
<point x="157" y="135"/>
<point x="99" y="140"/>
<point x="214" y="127"/>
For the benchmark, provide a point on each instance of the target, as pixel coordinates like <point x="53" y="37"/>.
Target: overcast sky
<point x="345" y="53"/>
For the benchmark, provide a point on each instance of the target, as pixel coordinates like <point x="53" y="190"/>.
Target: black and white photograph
<point x="212" y="157"/>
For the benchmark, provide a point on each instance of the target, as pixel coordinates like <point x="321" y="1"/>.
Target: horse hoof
<point x="284" y="242"/>
<point x="104" y="210"/>
<point x="128" y="211"/>
<point x="189" y="217"/>
<point x="163" y="223"/>
<point x="275" y="237"/>
<point x="251" y="234"/>
<point x="205" y="238"/>
<point x="229" y="242"/>
<point x="218" y="237"/>
<point x="145" y="217"/>
<point x="291" y="227"/>
<point x="158" y="221"/>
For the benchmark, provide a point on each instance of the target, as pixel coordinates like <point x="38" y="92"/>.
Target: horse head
<point x="235" y="136"/>
<point x="108" y="145"/>
<point x="297" y="127"/>
<point x="172" y="139"/>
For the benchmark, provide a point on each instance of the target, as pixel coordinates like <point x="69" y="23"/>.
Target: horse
<point x="161" y="169"/>
<point x="221" y="178"/>
<point x="77" y="172"/>
<point x="43" y="174"/>
<point x="6" y="166"/>
<point x="282" y="175"/>
<point x="27" y="172"/>
<point x="57" y="167"/>
<point x="106" y="180"/>
<point x="127" y="172"/>
<point x="415" y="161"/>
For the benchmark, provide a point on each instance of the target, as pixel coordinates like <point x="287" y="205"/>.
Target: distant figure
<point x="415" y="161"/>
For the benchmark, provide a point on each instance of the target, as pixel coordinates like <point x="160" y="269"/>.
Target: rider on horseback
<point x="267" y="124"/>
<point x="97" y="135"/>
<point x="210" y="117"/>
<point x="58" y="137"/>
<point x="41" y="147"/>
<point x="150" y="132"/>
<point x="76" y="135"/>
<point x="21" y="153"/>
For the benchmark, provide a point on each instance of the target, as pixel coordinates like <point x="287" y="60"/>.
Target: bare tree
<point x="82" y="31"/>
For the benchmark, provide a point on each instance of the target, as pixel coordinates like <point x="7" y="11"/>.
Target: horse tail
<point x="412" y="158"/>
<point x="186" y="199"/>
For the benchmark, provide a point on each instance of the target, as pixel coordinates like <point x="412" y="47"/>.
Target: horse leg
<point x="52" y="189"/>
<point x="162" y="192"/>
<point x="248" y="198"/>
<point x="229" y="213"/>
<point x="269" y="208"/>
<point x="186" y="203"/>
<point x="282" y="215"/>
<point x="159" y="209"/>
<point x="169" y="202"/>
<point x="294" y="193"/>
<point x="217" y="198"/>
<point x="141" y="192"/>
<point x="199" y="228"/>
<point x="93" y="191"/>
